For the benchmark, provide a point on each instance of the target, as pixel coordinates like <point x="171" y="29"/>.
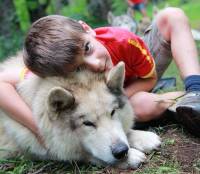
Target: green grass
<point x="193" y="13"/>
<point x="168" y="167"/>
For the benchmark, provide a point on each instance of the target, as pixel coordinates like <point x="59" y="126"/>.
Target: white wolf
<point x="84" y="117"/>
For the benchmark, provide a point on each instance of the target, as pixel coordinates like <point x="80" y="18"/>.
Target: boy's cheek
<point x="109" y="64"/>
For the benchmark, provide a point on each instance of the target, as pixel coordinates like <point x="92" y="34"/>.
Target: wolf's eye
<point x="89" y="123"/>
<point x="112" y="112"/>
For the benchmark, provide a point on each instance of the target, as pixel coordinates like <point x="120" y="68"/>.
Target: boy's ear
<point x="87" y="28"/>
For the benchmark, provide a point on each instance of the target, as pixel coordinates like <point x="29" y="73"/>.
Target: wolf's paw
<point x="144" y="141"/>
<point x="134" y="160"/>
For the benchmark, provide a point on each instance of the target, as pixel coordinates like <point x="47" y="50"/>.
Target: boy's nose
<point x="95" y="64"/>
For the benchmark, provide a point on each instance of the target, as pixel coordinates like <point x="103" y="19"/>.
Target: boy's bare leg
<point x="174" y="27"/>
<point x="148" y="106"/>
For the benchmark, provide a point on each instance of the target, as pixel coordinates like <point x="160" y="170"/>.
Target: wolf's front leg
<point x="7" y="147"/>
<point x="144" y="141"/>
<point x="134" y="160"/>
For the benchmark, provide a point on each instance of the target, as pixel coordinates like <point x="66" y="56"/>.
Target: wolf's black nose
<point x="119" y="150"/>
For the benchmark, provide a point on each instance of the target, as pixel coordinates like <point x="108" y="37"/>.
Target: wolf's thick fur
<point x="127" y="21"/>
<point x="124" y="21"/>
<point x="82" y="117"/>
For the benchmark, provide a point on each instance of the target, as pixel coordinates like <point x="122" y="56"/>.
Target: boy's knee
<point x="173" y="16"/>
<point x="169" y="20"/>
<point x="147" y="106"/>
<point x="142" y="105"/>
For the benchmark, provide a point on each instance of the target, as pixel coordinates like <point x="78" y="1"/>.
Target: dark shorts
<point x="139" y="6"/>
<point x="159" y="48"/>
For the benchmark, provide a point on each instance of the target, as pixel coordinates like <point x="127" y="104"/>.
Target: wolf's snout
<point x="119" y="150"/>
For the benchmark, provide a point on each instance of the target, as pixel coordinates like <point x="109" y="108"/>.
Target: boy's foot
<point x="188" y="112"/>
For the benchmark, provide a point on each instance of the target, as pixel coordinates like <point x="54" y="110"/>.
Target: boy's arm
<point x="141" y="84"/>
<point x="12" y="103"/>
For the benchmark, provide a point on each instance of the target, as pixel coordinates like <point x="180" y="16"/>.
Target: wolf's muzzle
<point x="119" y="150"/>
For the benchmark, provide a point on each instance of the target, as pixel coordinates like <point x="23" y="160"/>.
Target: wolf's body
<point x="82" y="117"/>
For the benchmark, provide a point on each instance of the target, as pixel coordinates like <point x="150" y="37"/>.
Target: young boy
<point x="56" y="45"/>
<point x="139" y="5"/>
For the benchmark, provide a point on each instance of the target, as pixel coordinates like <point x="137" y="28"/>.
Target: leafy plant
<point x="119" y="6"/>
<point x="76" y="9"/>
<point x="22" y="13"/>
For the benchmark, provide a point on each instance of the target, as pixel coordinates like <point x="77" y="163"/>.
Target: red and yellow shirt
<point x="127" y="47"/>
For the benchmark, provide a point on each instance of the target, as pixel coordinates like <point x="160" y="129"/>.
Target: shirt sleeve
<point x="24" y="73"/>
<point x="141" y="60"/>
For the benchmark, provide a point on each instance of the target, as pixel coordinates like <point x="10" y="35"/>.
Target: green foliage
<point x="76" y="9"/>
<point x="10" y="45"/>
<point x="32" y="4"/>
<point x="42" y="2"/>
<point x="35" y="4"/>
<point x="10" y="36"/>
<point x="51" y="8"/>
<point x="22" y="13"/>
<point x="119" y="6"/>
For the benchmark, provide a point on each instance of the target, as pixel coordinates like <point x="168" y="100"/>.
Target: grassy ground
<point x="179" y="154"/>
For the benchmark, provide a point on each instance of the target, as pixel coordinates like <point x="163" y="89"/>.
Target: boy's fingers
<point x="41" y="140"/>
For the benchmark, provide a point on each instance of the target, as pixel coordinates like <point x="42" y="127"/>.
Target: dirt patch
<point x="180" y="153"/>
<point x="184" y="148"/>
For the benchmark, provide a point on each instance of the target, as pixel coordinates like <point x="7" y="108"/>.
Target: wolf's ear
<point x="59" y="99"/>
<point x="110" y="17"/>
<point x="115" y="78"/>
<point x="130" y="12"/>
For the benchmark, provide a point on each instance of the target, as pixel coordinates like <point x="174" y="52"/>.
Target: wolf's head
<point x="124" y="21"/>
<point x="86" y="113"/>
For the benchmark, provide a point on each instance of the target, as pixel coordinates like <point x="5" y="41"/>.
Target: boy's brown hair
<point x="54" y="46"/>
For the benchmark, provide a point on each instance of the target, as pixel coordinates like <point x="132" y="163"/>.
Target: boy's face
<point x="96" y="57"/>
